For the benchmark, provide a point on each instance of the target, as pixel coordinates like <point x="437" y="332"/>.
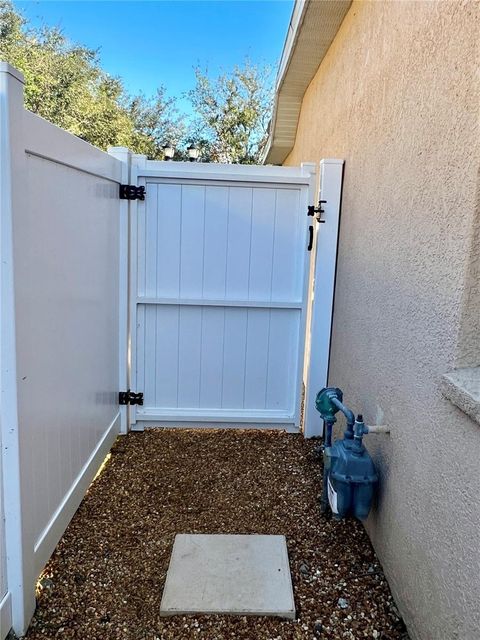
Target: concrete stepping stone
<point x="229" y="574"/>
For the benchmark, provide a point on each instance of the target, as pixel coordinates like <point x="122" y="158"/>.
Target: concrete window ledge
<point x="462" y="387"/>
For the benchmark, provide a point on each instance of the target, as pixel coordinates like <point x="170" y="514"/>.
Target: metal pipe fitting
<point x="349" y="415"/>
<point x="378" y="428"/>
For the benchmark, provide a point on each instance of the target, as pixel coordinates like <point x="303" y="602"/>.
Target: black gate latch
<point x="317" y="211"/>
<point x="129" y="397"/>
<point x="312" y="210"/>
<point x="131" y="192"/>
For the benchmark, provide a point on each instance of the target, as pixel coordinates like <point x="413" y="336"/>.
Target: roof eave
<point x="313" y="26"/>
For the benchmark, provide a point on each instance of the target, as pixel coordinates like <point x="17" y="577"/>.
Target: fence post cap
<point x="5" y="67"/>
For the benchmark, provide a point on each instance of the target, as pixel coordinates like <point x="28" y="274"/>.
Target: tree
<point x="156" y="122"/>
<point x="233" y="112"/>
<point x="65" y="84"/>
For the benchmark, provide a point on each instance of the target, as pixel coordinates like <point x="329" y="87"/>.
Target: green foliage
<point x="156" y="122"/>
<point x="233" y="113"/>
<point x="65" y="84"/>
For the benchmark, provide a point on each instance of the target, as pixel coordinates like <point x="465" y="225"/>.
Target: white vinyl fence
<point x="5" y="596"/>
<point x="214" y="262"/>
<point x="60" y="237"/>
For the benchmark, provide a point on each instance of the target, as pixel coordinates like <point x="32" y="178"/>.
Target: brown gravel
<point x="106" y="577"/>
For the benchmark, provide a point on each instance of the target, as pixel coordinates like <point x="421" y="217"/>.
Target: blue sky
<point x="158" y="42"/>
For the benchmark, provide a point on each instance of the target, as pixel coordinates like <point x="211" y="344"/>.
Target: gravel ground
<point x="106" y="577"/>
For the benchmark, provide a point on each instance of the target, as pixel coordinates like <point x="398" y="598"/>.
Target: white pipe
<point x="378" y="428"/>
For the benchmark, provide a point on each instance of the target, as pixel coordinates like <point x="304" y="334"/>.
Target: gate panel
<point x="217" y="357"/>
<point x="220" y="305"/>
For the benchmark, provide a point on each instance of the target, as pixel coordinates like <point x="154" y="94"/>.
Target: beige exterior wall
<point x="396" y="97"/>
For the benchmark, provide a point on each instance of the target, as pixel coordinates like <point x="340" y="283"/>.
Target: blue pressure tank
<point x="349" y="476"/>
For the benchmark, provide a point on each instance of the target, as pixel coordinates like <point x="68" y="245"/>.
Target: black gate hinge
<point x="129" y="397"/>
<point x="131" y="192"/>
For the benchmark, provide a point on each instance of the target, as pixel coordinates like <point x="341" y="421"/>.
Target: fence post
<point x="323" y="288"/>
<point x="124" y="373"/>
<point x="138" y="162"/>
<point x="19" y="547"/>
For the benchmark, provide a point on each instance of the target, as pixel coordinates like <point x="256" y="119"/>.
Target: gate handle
<point x="310" y="240"/>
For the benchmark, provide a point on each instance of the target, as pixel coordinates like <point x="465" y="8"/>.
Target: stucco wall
<point x="397" y="98"/>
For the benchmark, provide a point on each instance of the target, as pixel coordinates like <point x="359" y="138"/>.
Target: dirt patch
<point x="106" y="577"/>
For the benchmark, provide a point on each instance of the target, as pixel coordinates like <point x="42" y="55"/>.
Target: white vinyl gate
<point x="219" y="273"/>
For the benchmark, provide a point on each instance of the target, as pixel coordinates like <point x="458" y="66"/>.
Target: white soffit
<point x="313" y="26"/>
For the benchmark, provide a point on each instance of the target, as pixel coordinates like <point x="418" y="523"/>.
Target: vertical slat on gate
<point x="211" y="357"/>
<point x="256" y="365"/>
<point x="261" y="248"/>
<point x="168" y="240"/>
<point x="283" y="348"/>
<point x="287" y="264"/>
<point x="191" y="246"/>
<point x="166" y="372"/>
<point x="149" y="353"/>
<point x="189" y="356"/>
<point x="238" y="242"/>
<point x="140" y="347"/>
<point x="142" y="249"/>
<point x="215" y="242"/>
<point x="234" y="357"/>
